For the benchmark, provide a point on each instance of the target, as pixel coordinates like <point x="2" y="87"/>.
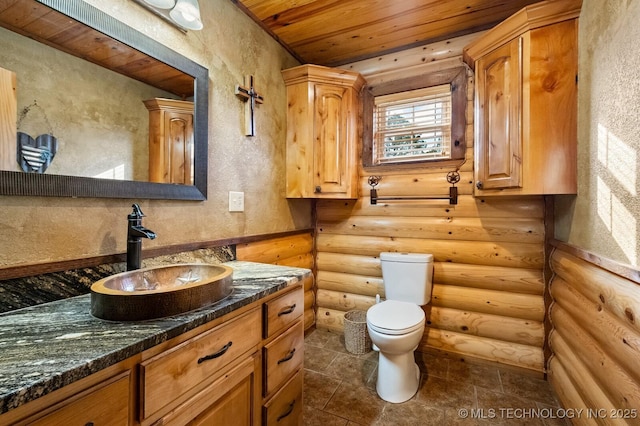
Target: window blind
<point x="414" y="125"/>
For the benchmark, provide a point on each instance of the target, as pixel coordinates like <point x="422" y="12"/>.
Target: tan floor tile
<point x="351" y="369"/>
<point x="335" y="342"/>
<point x="356" y="403"/>
<point x="318" y="359"/>
<point x="437" y="392"/>
<point x="503" y="408"/>
<point x="318" y="389"/>
<point x="528" y="387"/>
<point x="432" y="365"/>
<point x="410" y="413"/>
<point x="314" y="417"/>
<point x="553" y="418"/>
<point x="458" y="417"/>
<point x="344" y="384"/>
<point x="317" y="338"/>
<point x="476" y="374"/>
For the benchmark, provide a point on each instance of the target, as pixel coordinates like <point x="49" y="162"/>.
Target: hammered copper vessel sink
<point x="159" y="291"/>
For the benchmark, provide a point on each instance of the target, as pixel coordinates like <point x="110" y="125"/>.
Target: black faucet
<point x="135" y="233"/>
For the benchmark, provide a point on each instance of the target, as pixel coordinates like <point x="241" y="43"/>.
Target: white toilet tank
<point x="407" y="277"/>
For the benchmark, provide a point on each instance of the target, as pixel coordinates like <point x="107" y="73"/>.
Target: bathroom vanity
<point x="238" y="361"/>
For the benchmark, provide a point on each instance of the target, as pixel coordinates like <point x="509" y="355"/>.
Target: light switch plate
<point x="236" y="201"/>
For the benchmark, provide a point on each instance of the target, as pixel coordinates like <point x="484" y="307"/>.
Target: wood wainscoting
<point x="487" y="301"/>
<point x="291" y="250"/>
<point x="595" y="337"/>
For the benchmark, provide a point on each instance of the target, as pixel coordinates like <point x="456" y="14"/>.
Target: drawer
<point x="104" y="404"/>
<point x="285" y="408"/>
<point x="282" y="311"/>
<point x="282" y="357"/>
<point x="170" y="374"/>
<point x="228" y="400"/>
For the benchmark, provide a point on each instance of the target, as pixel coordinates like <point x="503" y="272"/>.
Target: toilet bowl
<point x="396" y="328"/>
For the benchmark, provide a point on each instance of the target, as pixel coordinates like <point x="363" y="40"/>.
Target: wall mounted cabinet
<point x="323" y="129"/>
<point x="526" y="102"/>
<point x="170" y="141"/>
<point x="8" y="124"/>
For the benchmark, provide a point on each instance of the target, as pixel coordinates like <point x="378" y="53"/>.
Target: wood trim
<point x="547" y="274"/>
<point x="617" y="268"/>
<point x="457" y="77"/>
<point x="528" y="18"/>
<point x="49" y="267"/>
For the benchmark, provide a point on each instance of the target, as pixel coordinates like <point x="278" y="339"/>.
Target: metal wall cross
<point x="249" y="95"/>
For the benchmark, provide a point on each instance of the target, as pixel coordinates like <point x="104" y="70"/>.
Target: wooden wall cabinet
<point x="526" y="102"/>
<point x="170" y="141"/>
<point x="8" y="120"/>
<point x="323" y="129"/>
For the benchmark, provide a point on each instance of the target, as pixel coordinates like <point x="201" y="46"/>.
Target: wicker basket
<point x="356" y="337"/>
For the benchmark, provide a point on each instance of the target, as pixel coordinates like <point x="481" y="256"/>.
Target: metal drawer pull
<point x="288" y="357"/>
<point x="289" y="411"/>
<point x="221" y="352"/>
<point x="88" y="424"/>
<point x="288" y="310"/>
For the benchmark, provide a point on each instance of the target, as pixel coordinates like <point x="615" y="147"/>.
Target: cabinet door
<point x="331" y="129"/>
<point x="285" y="408"/>
<point x="499" y="94"/>
<point x="179" y="140"/>
<point x="233" y="399"/>
<point x="104" y="404"/>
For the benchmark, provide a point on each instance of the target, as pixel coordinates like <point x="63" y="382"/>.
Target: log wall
<point x="595" y="339"/>
<point x="293" y="250"/>
<point x="487" y="301"/>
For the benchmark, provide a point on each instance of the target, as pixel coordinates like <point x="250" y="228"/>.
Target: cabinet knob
<point x="479" y="184"/>
<point x="318" y="189"/>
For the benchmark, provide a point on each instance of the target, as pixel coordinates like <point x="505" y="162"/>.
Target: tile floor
<point x="339" y="389"/>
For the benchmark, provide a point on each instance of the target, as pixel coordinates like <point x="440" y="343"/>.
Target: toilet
<point x="397" y="324"/>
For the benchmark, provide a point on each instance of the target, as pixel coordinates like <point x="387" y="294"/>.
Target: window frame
<point x="457" y="78"/>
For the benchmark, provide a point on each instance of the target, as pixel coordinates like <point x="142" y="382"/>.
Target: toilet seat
<point x="395" y="317"/>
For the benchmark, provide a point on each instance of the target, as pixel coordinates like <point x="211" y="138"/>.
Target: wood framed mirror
<point x="79" y="29"/>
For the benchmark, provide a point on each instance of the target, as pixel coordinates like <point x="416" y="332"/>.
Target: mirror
<point x="129" y="62"/>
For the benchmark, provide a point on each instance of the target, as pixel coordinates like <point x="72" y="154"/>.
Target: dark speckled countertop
<point x="48" y="346"/>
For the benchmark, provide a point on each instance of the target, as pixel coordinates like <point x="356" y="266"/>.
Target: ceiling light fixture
<point x="161" y="4"/>
<point x="185" y="14"/>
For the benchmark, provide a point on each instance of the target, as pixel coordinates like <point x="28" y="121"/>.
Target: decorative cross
<point x="248" y="93"/>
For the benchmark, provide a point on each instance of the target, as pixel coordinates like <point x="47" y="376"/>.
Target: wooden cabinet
<point x="285" y="408"/>
<point x="104" y="404"/>
<point x="170" y="376"/>
<point x="170" y="141"/>
<point x="8" y="120"/>
<point x="229" y="400"/>
<point x="241" y="369"/>
<point x="323" y="129"/>
<point x="526" y="102"/>
<point x="283" y="355"/>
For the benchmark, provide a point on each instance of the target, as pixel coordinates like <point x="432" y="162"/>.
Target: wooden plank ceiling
<point x="335" y="32"/>
<point x="47" y="26"/>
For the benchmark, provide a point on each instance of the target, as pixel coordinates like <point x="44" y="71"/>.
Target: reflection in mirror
<point x="97" y="113"/>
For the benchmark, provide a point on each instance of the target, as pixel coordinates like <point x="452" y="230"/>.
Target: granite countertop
<point x="48" y="346"/>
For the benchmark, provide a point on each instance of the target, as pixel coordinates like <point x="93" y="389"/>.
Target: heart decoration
<point x="35" y="155"/>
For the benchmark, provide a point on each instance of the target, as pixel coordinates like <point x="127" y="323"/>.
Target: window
<point x="413" y="125"/>
<point x="416" y="120"/>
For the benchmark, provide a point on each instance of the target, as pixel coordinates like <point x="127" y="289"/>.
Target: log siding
<point x="488" y="288"/>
